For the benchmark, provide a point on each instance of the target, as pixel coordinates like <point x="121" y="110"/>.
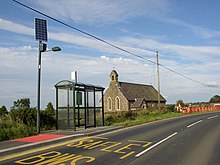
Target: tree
<point x="180" y="102"/>
<point x="50" y="110"/>
<point x="22" y="103"/>
<point x="21" y="111"/>
<point x="48" y="120"/>
<point x="215" y="99"/>
<point x="3" y="111"/>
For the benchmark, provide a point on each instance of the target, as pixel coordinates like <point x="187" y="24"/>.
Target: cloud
<point x="213" y="84"/>
<point x="99" y="11"/>
<point x="141" y="46"/>
<point x="15" y="27"/>
<point x="184" y="54"/>
<point x="72" y="38"/>
<point x="200" y="32"/>
<point x="192" y="53"/>
<point x="171" y="55"/>
<point x="19" y="65"/>
<point x="18" y="76"/>
<point x="19" y="72"/>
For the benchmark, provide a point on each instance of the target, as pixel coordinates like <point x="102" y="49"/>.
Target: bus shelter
<point x="79" y="105"/>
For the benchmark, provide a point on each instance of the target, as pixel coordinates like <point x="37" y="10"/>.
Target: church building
<point x="124" y="96"/>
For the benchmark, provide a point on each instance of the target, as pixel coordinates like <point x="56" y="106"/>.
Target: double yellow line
<point x="39" y="149"/>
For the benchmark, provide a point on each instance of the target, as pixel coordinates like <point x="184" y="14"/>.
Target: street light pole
<point x="38" y="87"/>
<point x="42" y="48"/>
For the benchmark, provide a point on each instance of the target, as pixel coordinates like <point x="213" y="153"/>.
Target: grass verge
<point x="131" y="118"/>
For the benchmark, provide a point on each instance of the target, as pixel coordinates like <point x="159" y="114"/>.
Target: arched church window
<point x="117" y="102"/>
<point x="109" y="104"/>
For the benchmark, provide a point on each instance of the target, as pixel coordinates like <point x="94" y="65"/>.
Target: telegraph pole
<point x="158" y="80"/>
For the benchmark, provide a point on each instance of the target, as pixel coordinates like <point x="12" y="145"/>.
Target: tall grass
<point x="130" y="118"/>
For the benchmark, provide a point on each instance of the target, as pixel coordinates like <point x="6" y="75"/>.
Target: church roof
<point x="138" y="102"/>
<point x="133" y="91"/>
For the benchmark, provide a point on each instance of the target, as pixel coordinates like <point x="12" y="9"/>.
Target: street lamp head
<point x="56" y="49"/>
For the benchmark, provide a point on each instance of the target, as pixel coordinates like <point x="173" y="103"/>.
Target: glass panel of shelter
<point x="90" y="108"/>
<point x="98" y="108"/>
<point x="80" y="107"/>
<point x="65" y="108"/>
<point x="84" y="107"/>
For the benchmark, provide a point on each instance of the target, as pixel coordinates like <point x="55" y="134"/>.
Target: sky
<point x="185" y="33"/>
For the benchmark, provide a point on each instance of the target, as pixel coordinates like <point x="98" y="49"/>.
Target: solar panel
<point x="40" y="29"/>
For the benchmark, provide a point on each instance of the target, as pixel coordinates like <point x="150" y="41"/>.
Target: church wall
<point x="113" y="92"/>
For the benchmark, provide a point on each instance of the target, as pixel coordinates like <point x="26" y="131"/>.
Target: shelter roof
<point x="68" y="83"/>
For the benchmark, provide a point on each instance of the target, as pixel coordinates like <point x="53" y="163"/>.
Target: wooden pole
<point x="158" y="80"/>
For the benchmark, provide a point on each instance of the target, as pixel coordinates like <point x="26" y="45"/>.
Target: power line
<point x="81" y="31"/>
<point x="106" y="42"/>
<point x="171" y="70"/>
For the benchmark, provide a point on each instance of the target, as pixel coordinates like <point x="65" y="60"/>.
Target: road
<point x="188" y="140"/>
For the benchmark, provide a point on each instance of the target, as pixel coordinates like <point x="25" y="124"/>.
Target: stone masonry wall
<point x="113" y="92"/>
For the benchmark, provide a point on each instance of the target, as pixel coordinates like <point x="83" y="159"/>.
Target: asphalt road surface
<point x="188" y="140"/>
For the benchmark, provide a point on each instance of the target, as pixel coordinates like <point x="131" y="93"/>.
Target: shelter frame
<point x="78" y="105"/>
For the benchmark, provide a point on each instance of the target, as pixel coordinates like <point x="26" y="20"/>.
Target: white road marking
<point x="212" y="117"/>
<point x="194" y="123"/>
<point x="156" y="144"/>
<point x="144" y="124"/>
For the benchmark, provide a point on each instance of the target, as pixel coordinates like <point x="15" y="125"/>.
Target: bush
<point x="170" y="108"/>
<point x="119" y="117"/>
<point x="48" y="122"/>
<point x="21" y="121"/>
<point x="27" y="115"/>
<point x="129" y="118"/>
<point x="130" y="115"/>
<point x="11" y="129"/>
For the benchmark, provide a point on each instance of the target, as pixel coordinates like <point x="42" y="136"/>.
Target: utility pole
<point x="158" y="80"/>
